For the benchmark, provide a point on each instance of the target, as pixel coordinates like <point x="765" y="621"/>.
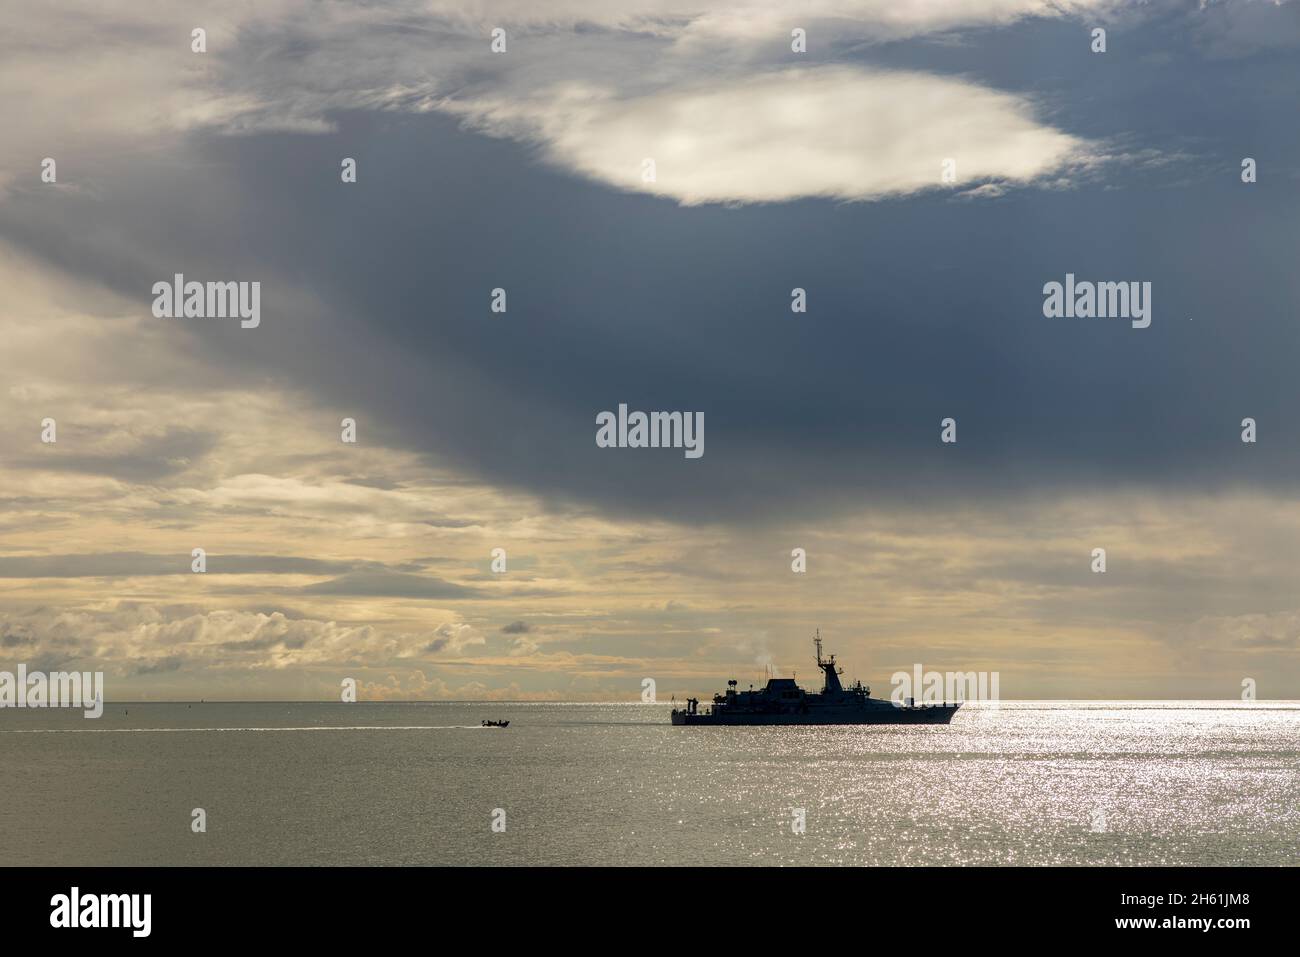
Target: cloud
<point x="1255" y="632"/>
<point x="145" y="458"/>
<point x="831" y="132"/>
<point x="146" y="638"/>
<point x="1234" y="28"/>
<point x="523" y="647"/>
<point x="129" y="564"/>
<point x="159" y="666"/>
<point x="454" y="637"/>
<point x="290" y="66"/>
<point x="390" y="585"/>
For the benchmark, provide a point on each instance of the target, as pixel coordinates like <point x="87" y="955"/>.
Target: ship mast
<point x="827" y="665"/>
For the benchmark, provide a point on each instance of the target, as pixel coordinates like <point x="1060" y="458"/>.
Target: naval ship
<point x="784" y="702"/>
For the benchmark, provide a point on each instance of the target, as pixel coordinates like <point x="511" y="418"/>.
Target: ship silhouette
<point x="782" y="702"/>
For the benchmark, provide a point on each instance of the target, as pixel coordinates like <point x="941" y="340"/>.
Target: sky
<point x="920" y="169"/>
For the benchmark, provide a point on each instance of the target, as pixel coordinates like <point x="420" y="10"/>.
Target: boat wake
<point x="357" y="727"/>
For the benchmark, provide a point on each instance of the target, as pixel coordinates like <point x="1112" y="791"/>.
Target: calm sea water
<point x="1165" y="783"/>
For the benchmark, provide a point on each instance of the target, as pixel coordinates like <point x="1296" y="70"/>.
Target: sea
<point x="423" y="783"/>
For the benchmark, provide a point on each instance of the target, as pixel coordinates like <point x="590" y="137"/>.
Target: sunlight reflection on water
<point x="1023" y="783"/>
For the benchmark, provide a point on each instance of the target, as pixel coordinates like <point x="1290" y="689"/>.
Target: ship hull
<point x="924" y="714"/>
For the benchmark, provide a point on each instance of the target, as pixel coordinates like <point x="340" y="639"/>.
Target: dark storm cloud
<point x="918" y="309"/>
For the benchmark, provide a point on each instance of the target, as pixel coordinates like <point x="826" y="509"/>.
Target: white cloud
<point x="835" y="132"/>
<point x="758" y="18"/>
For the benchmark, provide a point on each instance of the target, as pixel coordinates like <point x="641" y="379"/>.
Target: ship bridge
<point x="783" y="688"/>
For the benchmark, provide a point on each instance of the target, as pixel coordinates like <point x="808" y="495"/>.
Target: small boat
<point x="496" y="724"/>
